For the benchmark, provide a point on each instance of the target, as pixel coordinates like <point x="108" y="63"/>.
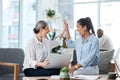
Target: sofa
<point x="105" y="57"/>
<point x="11" y="61"/>
<point x="105" y="64"/>
<point x="12" y="58"/>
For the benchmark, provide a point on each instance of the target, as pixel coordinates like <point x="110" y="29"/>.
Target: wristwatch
<point x="76" y="67"/>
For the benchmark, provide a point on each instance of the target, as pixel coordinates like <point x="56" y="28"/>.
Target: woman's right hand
<point x="65" y="25"/>
<point x="46" y="62"/>
<point x="43" y="64"/>
<point x="67" y="30"/>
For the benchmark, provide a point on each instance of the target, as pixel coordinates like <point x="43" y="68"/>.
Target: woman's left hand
<point x="75" y="67"/>
<point x="72" y="69"/>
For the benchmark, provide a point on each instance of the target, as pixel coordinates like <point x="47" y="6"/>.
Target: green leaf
<point x="53" y="36"/>
<point x="64" y="69"/>
<point x="55" y="49"/>
<point x="56" y="37"/>
<point x="50" y="13"/>
<point x="53" y="12"/>
<point x="50" y="35"/>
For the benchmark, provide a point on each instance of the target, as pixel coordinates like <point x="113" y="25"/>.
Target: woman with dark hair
<point x="37" y="50"/>
<point x="86" y="46"/>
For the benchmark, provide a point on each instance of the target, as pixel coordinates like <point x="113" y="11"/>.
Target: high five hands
<point x="65" y="25"/>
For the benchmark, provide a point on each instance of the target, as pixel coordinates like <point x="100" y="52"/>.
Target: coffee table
<point x="102" y="77"/>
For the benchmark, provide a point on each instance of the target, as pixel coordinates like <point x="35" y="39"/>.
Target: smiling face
<point x="81" y="29"/>
<point x="44" y="31"/>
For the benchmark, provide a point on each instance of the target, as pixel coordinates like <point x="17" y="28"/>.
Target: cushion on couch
<point x="104" y="61"/>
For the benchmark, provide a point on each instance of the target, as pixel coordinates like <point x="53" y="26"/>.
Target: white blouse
<point x="105" y="42"/>
<point x="38" y="51"/>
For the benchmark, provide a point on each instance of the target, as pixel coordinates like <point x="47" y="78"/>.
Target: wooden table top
<point x="102" y="77"/>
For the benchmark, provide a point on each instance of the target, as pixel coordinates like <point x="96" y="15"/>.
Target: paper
<point x="86" y="77"/>
<point x="55" y="77"/>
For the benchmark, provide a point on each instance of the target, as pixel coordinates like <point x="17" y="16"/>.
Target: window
<point x="104" y="14"/>
<point x="83" y="10"/>
<point x="29" y="20"/>
<point x="18" y="17"/>
<point x="84" y="0"/>
<point x="110" y="14"/>
<point x="18" y="20"/>
<point x="66" y="9"/>
<point x="86" y="10"/>
<point x="10" y="11"/>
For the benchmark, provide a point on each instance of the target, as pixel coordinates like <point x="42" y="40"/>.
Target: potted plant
<point x="50" y="13"/>
<point x="64" y="74"/>
<point x="56" y="49"/>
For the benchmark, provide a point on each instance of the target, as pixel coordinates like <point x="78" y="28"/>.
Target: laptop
<point x="58" y="60"/>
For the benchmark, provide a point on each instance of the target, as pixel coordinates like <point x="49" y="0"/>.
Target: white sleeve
<point x="30" y="61"/>
<point x="102" y="42"/>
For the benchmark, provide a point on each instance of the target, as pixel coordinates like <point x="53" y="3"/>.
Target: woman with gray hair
<point x="36" y="52"/>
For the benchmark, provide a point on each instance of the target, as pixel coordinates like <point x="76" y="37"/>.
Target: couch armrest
<point x="15" y="66"/>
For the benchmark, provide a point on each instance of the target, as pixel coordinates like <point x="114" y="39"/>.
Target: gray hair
<point x="40" y="25"/>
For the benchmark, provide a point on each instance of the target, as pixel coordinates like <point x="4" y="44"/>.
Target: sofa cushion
<point x="104" y="61"/>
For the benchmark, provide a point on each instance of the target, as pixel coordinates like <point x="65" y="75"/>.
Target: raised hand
<point x="67" y="30"/>
<point x="65" y="25"/>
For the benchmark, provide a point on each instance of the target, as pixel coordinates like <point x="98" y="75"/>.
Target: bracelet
<point x="76" y="67"/>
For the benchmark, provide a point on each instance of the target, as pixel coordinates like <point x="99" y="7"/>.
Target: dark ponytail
<point x="88" y="23"/>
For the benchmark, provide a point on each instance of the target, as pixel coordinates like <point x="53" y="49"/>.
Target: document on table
<point x="86" y="77"/>
<point x="79" y="77"/>
<point x="55" y="77"/>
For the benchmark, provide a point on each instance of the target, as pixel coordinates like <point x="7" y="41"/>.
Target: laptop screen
<point x="60" y="60"/>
